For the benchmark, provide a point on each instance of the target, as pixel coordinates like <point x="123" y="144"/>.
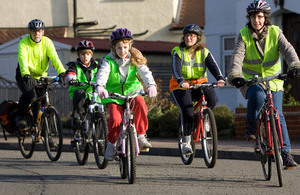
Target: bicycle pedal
<point x="144" y="150"/>
<point x="288" y="168"/>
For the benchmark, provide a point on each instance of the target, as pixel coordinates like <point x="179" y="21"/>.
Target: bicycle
<point x="269" y="136"/>
<point x="127" y="147"/>
<point x="205" y="131"/>
<point x="43" y="123"/>
<point x="93" y="131"/>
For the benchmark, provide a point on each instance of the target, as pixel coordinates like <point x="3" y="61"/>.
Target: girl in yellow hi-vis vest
<point x="257" y="52"/>
<point x="190" y="61"/>
<point x="118" y="73"/>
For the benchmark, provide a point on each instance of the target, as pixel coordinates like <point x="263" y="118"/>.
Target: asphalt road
<point x="155" y="175"/>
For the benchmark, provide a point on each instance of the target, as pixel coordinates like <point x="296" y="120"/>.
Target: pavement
<point x="227" y="149"/>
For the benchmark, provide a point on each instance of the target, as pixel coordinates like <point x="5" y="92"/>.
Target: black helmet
<point x="120" y="34"/>
<point x="257" y="6"/>
<point x="192" y="28"/>
<point x="36" y="24"/>
<point x="85" y="45"/>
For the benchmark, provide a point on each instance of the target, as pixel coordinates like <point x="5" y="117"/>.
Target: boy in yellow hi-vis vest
<point x="84" y="69"/>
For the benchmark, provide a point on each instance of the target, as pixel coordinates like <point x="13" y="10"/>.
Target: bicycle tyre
<point x="210" y="143"/>
<point x="53" y="132"/>
<point x="81" y="147"/>
<point x="187" y="159"/>
<point x="262" y="141"/>
<point x="100" y="140"/>
<point x="122" y="165"/>
<point x="277" y="148"/>
<point x="131" y="155"/>
<point x="26" y="141"/>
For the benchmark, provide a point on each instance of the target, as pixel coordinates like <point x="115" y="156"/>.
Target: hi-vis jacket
<point x="34" y="57"/>
<point x="270" y="65"/>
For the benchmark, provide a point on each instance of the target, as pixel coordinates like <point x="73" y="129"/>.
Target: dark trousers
<point x="79" y="101"/>
<point x="184" y="100"/>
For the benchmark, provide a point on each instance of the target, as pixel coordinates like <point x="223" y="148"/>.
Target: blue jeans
<point x="256" y="98"/>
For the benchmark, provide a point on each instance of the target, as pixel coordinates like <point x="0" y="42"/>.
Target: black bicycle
<point x="93" y="131"/>
<point x="43" y="123"/>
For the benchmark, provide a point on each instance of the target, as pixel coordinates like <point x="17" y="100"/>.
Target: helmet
<point x="119" y="34"/>
<point x="36" y="24"/>
<point x="258" y="5"/>
<point x="192" y="28"/>
<point x="85" y="45"/>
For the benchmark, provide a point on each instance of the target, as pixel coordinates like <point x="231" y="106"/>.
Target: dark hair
<point x="268" y="21"/>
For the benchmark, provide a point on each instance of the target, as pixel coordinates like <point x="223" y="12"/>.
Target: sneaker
<point x="288" y="160"/>
<point x="143" y="142"/>
<point x="250" y="130"/>
<point x="21" y="122"/>
<point x="110" y="152"/>
<point x="52" y="143"/>
<point x="186" y="145"/>
<point x="76" y="123"/>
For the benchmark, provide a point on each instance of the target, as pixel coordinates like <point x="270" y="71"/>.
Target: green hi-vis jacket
<point x="192" y="71"/>
<point x="113" y="83"/>
<point x="34" y="57"/>
<point x="270" y="64"/>
<point x="80" y="77"/>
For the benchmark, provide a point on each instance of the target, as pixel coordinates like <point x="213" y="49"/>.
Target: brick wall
<point x="292" y="118"/>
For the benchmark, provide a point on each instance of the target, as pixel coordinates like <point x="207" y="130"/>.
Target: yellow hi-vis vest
<point x="270" y="65"/>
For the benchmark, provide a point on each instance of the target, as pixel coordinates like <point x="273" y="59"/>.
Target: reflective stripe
<point x="251" y="72"/>
<point x="252" y="61"/>
<point x="271" y="63"/>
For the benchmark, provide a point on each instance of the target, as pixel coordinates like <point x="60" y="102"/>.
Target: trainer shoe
<point x="110" y="152"/>
<point x="21" y="122"/>
<point x="143" y="142"/>
<point x="288" y="160"/>
<point x="250" y="130"/>
<point x="186" y="145"/>
<point x="52" y="143"/>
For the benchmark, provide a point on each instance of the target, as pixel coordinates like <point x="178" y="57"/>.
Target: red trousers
<point x="140" y="110"/>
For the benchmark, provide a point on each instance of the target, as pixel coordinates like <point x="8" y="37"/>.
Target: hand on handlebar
<point x="73" y="82"/>
<point x="294" y="73"/>
<point x="238" y="82"/>
<point x="31" y="82"/>
<point x="61" y="77"/>
<point x="185" y="85"/>
<point x="102" y="92"/>
<point x="221" y="83"/>
<point x="151" y="91"/>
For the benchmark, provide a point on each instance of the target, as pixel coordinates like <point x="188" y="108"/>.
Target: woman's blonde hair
<point x="136" y="58"/>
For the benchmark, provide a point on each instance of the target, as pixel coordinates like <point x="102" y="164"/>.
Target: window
<point x="228" y="44"/>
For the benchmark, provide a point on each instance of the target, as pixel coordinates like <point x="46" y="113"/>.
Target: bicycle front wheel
<point x="262" y="143"/>
<point x="130" y="155"/>
<point x="27" y="144"/>
<point x="210" y="141"/>
<point x="53" y="133"/>
<point x="100" y="140"/>
<point x="81" y="147"/>
<point x="277" y="148"/>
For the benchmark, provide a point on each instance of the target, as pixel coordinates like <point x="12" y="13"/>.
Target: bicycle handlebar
<point x="47" y="80"/>
<point x="255" y="79"/>
<point x="130" y="95"/>
<point x="213" y="85"/>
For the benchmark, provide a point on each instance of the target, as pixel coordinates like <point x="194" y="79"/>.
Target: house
<point x="224" y="19"/>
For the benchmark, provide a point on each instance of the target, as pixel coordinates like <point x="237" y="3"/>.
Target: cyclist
<point x="84" y="69"/>
<point x="190" y="61"/>
<point x="119" y="73"/>
<point x="34" y="52"/>
<point x="257" y="52"/>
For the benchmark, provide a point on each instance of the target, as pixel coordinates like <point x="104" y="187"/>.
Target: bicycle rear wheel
<point x="52" y="128"/>
<point x="210" y="142"/>
<point x="81" y="147"/>
<point x="26" y="139"/>
<point x="277" y="148"/>
<point x="262" y="142"/>
<point x="100" y="140"/>
<point x="130" y="155"/>
<point x="187" y="159"/>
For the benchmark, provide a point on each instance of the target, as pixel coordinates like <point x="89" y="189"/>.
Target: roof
<point x="191" y="12"/>
<point x="8" y="34"/>
<point x="159" y="47"/>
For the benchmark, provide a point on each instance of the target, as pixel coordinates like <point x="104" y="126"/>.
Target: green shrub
<point x="224" y="119"/>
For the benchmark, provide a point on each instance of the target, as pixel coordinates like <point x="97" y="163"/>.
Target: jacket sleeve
<point x="71" y="73"/>
<point x="176" y="68"/>
<point x="23" y="58"/>
<point x="103" y="73"/>
<point x="146" y="75"/>
<point x="52" y="55"/>
<point x="213" y="67"/>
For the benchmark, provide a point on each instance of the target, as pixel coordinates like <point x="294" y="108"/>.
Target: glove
<point x="31" y="82"/>
<point x="102" y="92"/>
<point x="293" y="73"/>
<point x="73" y="82"/>
<point x="61" y="77"/>
<point x="151" y="91"/>
<point x="238" y="82"/>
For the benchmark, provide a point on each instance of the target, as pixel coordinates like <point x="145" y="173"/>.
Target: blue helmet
<point x="192" y="28"/>
<point x="36" y="24"/>
<point x="120" y="34"/>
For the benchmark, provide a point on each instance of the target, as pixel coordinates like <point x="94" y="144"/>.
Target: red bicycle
<point x="205" y="130"/>
<point x="269" y="136"/>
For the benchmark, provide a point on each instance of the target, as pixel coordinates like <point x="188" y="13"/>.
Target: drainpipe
<point x="75" y="17"/>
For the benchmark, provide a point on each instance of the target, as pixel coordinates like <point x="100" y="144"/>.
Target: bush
<point x="225" y="120"/>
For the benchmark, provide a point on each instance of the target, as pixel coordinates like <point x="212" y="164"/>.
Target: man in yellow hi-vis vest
<point x="257" y="52"/>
